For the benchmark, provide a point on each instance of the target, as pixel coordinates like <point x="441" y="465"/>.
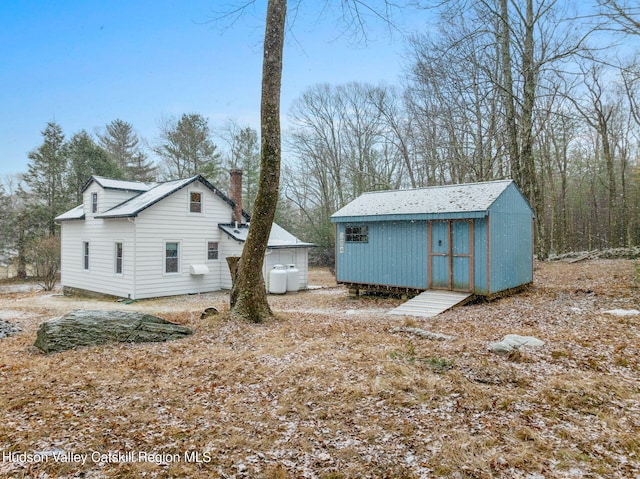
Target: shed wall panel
<point x="480" y="256"/>
<point x="395" y="254"/>
<point x="511" y="241"/>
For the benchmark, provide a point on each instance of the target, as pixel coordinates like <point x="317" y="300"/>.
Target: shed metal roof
<point x="278" y="238"/>
<point x="455" y="200"/>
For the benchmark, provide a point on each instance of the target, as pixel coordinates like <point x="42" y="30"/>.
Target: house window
<point x="195" y="202"/>
<point x="212" y="250"/>
<point x="118" y="258"/>
<point x="85" y="255"/>
<point x="94" y="202"/>
<point x="357" y="234"/>
<point x="171" y="256"/>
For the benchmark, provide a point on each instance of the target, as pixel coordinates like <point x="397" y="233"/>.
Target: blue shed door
<point x="451" y="255"/>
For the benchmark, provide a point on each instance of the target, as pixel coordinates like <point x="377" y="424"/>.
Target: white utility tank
<point x="293" y="278"/>
<point x="278" y="280"/>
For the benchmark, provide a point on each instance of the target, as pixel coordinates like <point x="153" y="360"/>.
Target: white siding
<point x="228" y="247"/>
<point x="286" y="256"/>
<point x="144" y="238"/>
<point x="170" y="221"/>
<point x="101" y="236"/>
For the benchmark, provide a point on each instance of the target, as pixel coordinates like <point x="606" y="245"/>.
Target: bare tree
<point x="248" y="296"/>
<point x="622" y="16"/>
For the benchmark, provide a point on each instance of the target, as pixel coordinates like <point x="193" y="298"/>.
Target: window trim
<point x="94" y="202"/>
<point x="358" y="234"/>
<point x="178" y="248"/>
<point x="193" y="203"/>
<point x="116" y="258"/>
<point x="217" y="250"/>
<point x="86" y="256"/>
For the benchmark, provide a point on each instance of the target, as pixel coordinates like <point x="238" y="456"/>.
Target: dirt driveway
<point x="26" y="305"/>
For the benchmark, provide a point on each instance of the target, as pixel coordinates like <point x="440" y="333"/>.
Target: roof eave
<point x="411" y="217"/>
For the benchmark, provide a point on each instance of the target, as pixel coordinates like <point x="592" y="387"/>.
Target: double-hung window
<point x="118" y="258"/>
<point x="85" y="255"/>
<point x="212" y="250"/>
<point x="171" y="257"/>
<point x="94" y="202"/>
<point x="195" y="202"/>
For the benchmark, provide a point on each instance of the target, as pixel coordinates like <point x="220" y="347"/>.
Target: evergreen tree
<point x="245" y="154"/>
<point x="187" y="149"/>
<point x="7" y="222"/>
<point x="86" y="158"/>
<point x="46" y="178"/>
<point x="123" y="146"/>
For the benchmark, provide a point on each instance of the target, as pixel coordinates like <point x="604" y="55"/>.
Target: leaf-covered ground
<point x="327" y="390"/>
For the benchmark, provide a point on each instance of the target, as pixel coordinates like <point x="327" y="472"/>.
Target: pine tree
<point x="86" y="158"/>
<point x="187" y="149"/>
<point x="124" y="148"/>
<point x="245" y="154"/>
<point x="46" y="178"/>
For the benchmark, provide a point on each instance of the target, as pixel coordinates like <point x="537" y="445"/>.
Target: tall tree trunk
<point x="248" y="294"/>
<point x="527" y="179"/>
<point x="508" y="93"/>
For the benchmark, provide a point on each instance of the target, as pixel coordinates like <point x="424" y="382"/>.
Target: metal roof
<point x="278" y="238"/>
<point x="145" y="199"/>
<point x="158" y="192"/>
<point x="109" y="183"/>
<point x="450" y="199"/>
<point x="76" y="213"/>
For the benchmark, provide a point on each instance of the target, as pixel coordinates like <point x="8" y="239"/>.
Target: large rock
<point x="7" y="329"/>
<point x="87" y="328"/>
<point x="512" y="342"/>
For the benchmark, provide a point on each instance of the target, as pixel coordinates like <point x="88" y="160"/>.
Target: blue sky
<point x="84" y="63"/>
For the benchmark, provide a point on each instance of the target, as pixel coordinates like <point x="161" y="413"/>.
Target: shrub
<point x="44" y="256"/>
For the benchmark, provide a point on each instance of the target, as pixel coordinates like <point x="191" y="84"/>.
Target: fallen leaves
<point x="327" y="391"/>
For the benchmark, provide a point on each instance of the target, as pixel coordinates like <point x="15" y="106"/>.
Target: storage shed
<point x="475" y="238"/>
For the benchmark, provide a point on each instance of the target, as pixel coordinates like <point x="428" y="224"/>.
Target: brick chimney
<point x="235" y="192"/>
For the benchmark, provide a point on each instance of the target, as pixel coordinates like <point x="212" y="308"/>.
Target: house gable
<point x="160" y="191"/>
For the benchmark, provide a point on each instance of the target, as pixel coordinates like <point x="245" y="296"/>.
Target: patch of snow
<point x="514" y="341"/>
<point x="7" y="314"/>
<point x="622" y="312"/>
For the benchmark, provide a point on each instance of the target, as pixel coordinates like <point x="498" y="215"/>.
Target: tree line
<point x="60" y="167"/>
<point x="496" y="89"/>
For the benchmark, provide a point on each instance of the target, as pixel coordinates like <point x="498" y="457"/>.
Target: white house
<point x="142" y="240"/>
